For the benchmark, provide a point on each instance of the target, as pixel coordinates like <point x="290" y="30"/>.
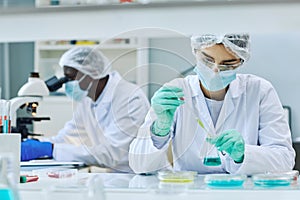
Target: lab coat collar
<point x="203" y="114"/>
<point x="237" y="88"/>
<point x="194" y="84"/>
<point x="226" y="110"/>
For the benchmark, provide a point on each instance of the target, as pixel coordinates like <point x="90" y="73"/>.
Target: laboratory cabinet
<point x="128" y="56"/>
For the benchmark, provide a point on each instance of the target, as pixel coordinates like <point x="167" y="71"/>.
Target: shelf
<point x="127" y="59"/>
<point x="126" y="55"/>
<point x="106" y="46"/>
<point x="170" y="18"/>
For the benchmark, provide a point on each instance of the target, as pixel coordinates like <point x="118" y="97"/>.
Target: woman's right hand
<point x="164" y="103"/>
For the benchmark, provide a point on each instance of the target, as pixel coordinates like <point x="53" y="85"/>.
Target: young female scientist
<point x="242" y="112"/>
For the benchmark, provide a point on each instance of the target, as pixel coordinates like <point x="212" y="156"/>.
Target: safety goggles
<point x="209" y="62"/>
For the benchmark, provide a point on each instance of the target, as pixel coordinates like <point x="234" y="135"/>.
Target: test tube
<point x="0" y="109"/>
<point x="2" y="105"/>
<point x="6" y="124"/>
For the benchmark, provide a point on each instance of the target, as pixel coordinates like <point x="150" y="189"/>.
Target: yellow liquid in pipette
<point x="215" y="161"/>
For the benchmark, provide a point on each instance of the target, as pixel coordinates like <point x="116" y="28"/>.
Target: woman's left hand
<point x="232" y="142"/>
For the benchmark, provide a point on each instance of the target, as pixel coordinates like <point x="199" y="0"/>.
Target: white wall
<point x="184" y="17"/>
<point x="276" y="58"/>
<point x="267" y="21"/>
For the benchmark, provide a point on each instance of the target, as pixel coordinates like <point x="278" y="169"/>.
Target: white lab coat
<point x="100" y="132"/>
<point x="251" y="106"/>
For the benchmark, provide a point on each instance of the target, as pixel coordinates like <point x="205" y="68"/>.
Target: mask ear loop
<point x="81" y="78"/>
<point x="90" y="84"/>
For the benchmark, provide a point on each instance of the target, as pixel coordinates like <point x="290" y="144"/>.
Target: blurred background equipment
<point x="28" y="97"/>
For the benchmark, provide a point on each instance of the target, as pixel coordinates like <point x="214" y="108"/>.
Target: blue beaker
<point x="210" y="155"/>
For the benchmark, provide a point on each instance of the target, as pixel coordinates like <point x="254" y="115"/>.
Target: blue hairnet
<point x="237" y="43"/>
<point x="86" y="60"/>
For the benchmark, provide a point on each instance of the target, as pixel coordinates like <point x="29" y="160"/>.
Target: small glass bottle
<point x="91" y="188"/>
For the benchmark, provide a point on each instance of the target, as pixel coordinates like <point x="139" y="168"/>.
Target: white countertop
<point x="130" y="186"/>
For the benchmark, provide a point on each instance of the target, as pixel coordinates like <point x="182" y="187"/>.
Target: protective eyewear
<point x="222" y="67"/>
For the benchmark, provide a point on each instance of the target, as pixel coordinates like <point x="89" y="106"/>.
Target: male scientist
<point x="107" y="117"/>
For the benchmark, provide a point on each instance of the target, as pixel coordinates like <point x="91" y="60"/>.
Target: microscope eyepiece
<point x="54" y="83"/>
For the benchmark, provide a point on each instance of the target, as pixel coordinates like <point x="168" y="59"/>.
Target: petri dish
<point x="272" y="179"/>
<point x="294" y="174"/>
<point x="176" y="176"/>
<point x="62" y="173"/>
<point x="55" y="172"/>
<point x="224" y="180"/>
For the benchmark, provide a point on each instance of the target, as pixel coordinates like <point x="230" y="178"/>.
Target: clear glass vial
<point x="8" y="184"/>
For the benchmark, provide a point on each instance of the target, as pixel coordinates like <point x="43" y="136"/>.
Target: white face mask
<point x="214" y="81"/>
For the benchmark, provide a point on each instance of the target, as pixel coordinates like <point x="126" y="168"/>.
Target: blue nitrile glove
<point x="164" y="103"/>
<point x="32" y="149"/>
<point x="231" y="142"/>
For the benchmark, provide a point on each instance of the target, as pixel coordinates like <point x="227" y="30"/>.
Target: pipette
<point x="202" y="126"/>
<point x="211" y="158"/>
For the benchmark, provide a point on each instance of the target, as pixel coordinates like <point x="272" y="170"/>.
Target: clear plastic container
<point x="224" y="180"/>
<point x="65" y="173"/>
<point x="56" y="172"/>
<point x="8" y="183"/>
<point x="177" y="176"/>
<point x="89" y="189"/>
<point x="294" y="174"/>
<point x="272" y="179"/>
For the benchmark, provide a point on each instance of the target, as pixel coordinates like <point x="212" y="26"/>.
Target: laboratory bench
<point x="115" y="186"/>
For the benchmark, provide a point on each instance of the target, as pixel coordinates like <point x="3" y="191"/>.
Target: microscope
<point x="28" y="97"/>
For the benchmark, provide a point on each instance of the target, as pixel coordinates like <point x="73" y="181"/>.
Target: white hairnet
<point x="86" y="60"/>
<point x="237" y="43"/>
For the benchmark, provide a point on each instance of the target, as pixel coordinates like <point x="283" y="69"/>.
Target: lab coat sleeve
<point x="274" y="152"/>
<point x="148" y="153"/>
<point x="73" y="131"/>
<point x="127" y="116"/>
